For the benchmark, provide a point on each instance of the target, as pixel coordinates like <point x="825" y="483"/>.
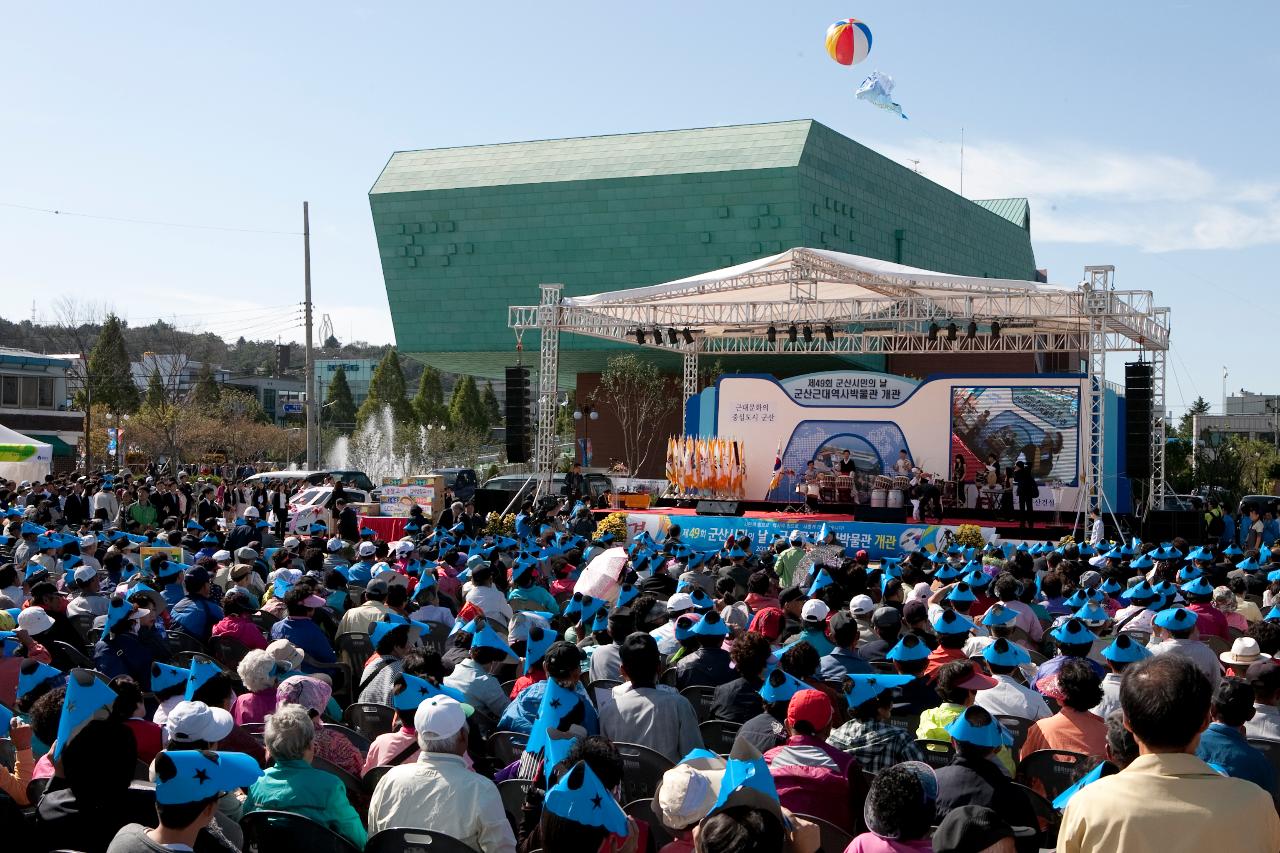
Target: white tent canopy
<point x="23" y="458"/>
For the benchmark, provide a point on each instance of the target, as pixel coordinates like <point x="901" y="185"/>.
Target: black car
<point x="460" y="481"/>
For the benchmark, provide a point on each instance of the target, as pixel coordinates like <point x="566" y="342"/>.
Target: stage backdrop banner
<point x="879" y="540"/>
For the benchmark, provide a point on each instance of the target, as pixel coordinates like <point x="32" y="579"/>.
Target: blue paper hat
<point x="33" y="569"/>
<point x="557" y="703"/>
<point x="1091" y="613"/>
<point x="1123" y="649"/>
<point x="1202" y="554"/>
<point x="1166" y="552"/>
<point x="201" y="672"/>
<point x="590" y="606"/>
<point x="6" y="720"/>
<point x="701" y="601"/>
<point x="909" y="648"/>
<point x="746" y="780"/>
<point x="1110" y="586"/>
<point x="1176" y="619"/>
<point x="1189" y="573"/>
<point x="378" y="630"/>
<point x="1115" y="554"/>
<point x="958" y="550"/>
<point x="1073" y="633"/>
<point x="1076" y="599"/>
<point x="821" y="580"/>
<point x="824" y="532"/>
<point x="626" y="594"/>
<point x="416" y="690"/>
<point x="164" y="676"/>
<point x="601" y="620"/>
<point x="32" y="674"/>
<point x="87" y="699"/>
<point x="1199" y="586"/>
<point x="684" y="626"/>
<point x="863" y="688"/>
<point x="29" y="529"/>
<point x="736" y="553"/>
<point x="208" y="539"/>
<point x="487" y="638"/>
<point x="977" y="579"/>
<point x="194" y="525"/>
<point x="1249" y="564"/>
<point x="1004" y="653"/>
<point x="1142" y="563"/>
<point x="9" y="644"/>
<point x="118" y="611"/>
<point x="581" y="797"/>
<point x="540" y="639"/>
<point x="167" y="569"/>
<point x="556" y="748"/>
<point x="1233" y="550"/>
<point x="947" y="573"/>
<point x="191" y="776"/>
<point x="458" y="625"/>
<point x="997" y="614"/>
<point x="780" y="686"/>
<point x="951" y="622"/>
<point x="317" y="527"/>
<point x="1264" y="556"/>
<point x="992" y="735"/>
<point x="711" y="625"/>
<point x="961" y="593"/>
<point x="1139" y="592"/>
<point x="1273" y="614"/>
<point x="365" y="531"/>
<point x="1060" y="802"/>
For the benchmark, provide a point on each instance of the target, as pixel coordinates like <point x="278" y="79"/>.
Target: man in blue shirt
<point x="362" y="570"/>
<point x="843" y="659"/>
<point x="195" y="613"/>
<point x="169" y="576"/>
<point x="1223" y="744"/>
<point x="300" y="629"/>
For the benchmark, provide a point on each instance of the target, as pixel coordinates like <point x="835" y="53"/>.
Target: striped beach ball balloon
<point x="848" y="41"/>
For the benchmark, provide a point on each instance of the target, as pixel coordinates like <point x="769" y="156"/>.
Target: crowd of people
<point x="555" y="688"/>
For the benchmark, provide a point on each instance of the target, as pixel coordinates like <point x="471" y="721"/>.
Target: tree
<point x="386" y="388"/>
<point x="109" y="378"/>
<point x="340" y="406"/>
<point x="428" y="403"/>
<point x="1200" y="406"/>
<point x="155" y="397"/>
<point x="490" y="402"/>
<point x="639" y="398"/>
<point x="466" y="411"/>
<point x="206" y="393"/>
<point x="331" y="343"/>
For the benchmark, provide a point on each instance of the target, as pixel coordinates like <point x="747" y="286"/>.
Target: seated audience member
<point x="739" y="700"/>
<point x="238" y="605"/>
<point x="260" y="673"/>
<point x="313" y="694"/>
<point x="130" y="710"/>
<point x="953" y="630"/>
<point x="189" y="785"/>
<point x="1167" y="799"/>
<point x="215" y="690"/>
<point x="1008" y="697"/>
<point x="869" y="736"/>
<point x="974" y="778"/>
<point x="300" y="627"/>
<point x="1265" y="678"/>
<point x="563" y="663"/>
<point x="1223" y="744"/>
<point x="811" y="776"/>
<point x="710" y="665"/>
<point x="400" y="746"/>
<point x="887" y="623"/>
<point x="579" y="811"/>
<point x="11" y="663"/>
<point x="1074" y="641"/>
<point x="645" y="712"/>
<point x="977" y="829"/>
<point x="845" y="657"/>
<point x="473" y="676"/>
<point x="1172" y="635"/>
<point x="1119" y="655"/>
<point x="958" y="686"/>
<point x="438" y="791"/>
<point x="291" y="784"/>
<point x="684" y="796"/>
<point x="899" y="812"/>
<point x="605" y="660"/>
<point x="391" y="643"/>
<point x="910" y="657"/>
<point x="1074" y="727"/>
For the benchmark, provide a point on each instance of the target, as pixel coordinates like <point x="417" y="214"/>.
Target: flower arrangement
<point x="615" y="523"/>
<point x="496" y="524"/>
<point x="970" y="536"/>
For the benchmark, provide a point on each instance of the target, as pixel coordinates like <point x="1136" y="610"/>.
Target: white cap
<point x="84" y="574"/>
<point x="291" y="542"/>
<point x="815" y="610"/>
<point x="88" y="541"/>
<point x="796" y="536"/>
<point x="286" y="652"/>
<point x="685" y="796"/>
<point x="404" y="546"/>
<point x="366" y="549"/>
<point x="251" y="512"/>
<point x="861" y="605"/>
<point x="222" y="556"/>
<point x="335" y="544"/>
<point x="679" y="601"/>
<point x="439" y="717"/>
<point x="195" y="721"/>
<point x="34" y="621"/>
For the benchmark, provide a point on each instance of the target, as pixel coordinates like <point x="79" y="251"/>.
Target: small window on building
<point x="9" y="391"/>
<point x="46" y="392"/>
<point x="30" y="392"/>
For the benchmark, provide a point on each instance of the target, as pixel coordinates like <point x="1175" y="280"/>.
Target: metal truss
<point x="1096" y="297"/>
<point x="690" y="384"/>
<point x="1157" y="487"/>
<point x="544" y="442"/>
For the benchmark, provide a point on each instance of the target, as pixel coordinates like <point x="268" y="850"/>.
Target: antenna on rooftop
<point x="915" y="165"/>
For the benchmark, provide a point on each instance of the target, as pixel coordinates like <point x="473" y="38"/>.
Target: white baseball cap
<point x="291" y="542"/>
<point x="815" y="610"/>
<point x="366" y="549"/>
<point x="84" y="574"/>
<point x="34" y="621"/>
<point x="862" y="605"/>
<point x="796" y="536"/>
<point x="195" y="721"/>
<point x="251" y="512"/>
<point x="223" y="556"/>
<point x="88" y="541"/>
<point x="404" y="546"/>
<point x="439" y="717"/>
<point x="335" y="544"/>
<point x="679" y="601"/>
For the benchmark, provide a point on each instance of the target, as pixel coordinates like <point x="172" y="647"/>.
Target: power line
<point x="158" y="223"/>
<point x="236" y="311"/>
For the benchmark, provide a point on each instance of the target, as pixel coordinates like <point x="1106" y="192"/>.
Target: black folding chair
<point x="1046" y="815"/>
<point x="1049" y="772"/>
<point x="937" y="753"/>
<point x="642" y="770"/>
<point x="701" y="697"/>
<point x="719" y="735"/>
<point x="414" y="841"/>
<point x="513" y="793"/>
<point x="73" y="655"/>
<point x="600" y="689"/>
<point x="668" y="677"/>
<point x="269" y="831"/>
<point x="1018" y="727"/>
<point x="227" y="650"/>
<point x="884" y="667"/>
<point x="180" y="641"/>
<point x="355" y="648"/>
<point x="355" y="789"/>
<point x="507" y="747"/>
<point x="1269" y="748"/>
<point x="833" y="837"/>
<point x="373" y="777"/>
<point x="264" y="621"/>
<point x="438" y="640"/>
<point x="82" y="622"/>
<point x="642" y="810"/>
<point x="369" y="719"/>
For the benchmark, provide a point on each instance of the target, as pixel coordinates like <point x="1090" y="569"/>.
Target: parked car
<point x="308" y="506"/>
<point x="460" y="481"/>
<point x="1260" y="501"/>
<point x="359" y="479"/>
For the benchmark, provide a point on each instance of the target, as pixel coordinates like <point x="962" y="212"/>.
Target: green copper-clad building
<point x="465" y="232"/>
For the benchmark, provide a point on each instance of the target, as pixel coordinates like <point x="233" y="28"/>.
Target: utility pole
<point x="313" y="437"/>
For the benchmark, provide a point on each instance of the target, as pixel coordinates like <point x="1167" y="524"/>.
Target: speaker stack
<point x="518" y="420"/>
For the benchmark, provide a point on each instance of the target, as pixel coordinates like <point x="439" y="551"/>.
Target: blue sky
<point x="1144" y="133"/>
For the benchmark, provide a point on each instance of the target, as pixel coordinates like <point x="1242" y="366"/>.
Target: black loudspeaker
<point x="1137" y="398"/>
<point x="881" y="514"/>
<point x="719" y="508"/>
<point x="1164" y="526"/>
<point x="519" y="427"/>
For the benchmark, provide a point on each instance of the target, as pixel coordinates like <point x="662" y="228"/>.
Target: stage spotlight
<point x="933" y="331"/>
<point x="792" y="333"/>
<point x="772" y="334"/>
<point x="808" y="334"/>
<point x="952" y="330"/>
<point x="829" y="333"/>
<point x="995" y="330"/>
<point x="972" y="331"/>
<point x="671" y="336"/>
<point x="657" y="337"/>
<point x="688" y="335"/>
<point x="640" y="336"/>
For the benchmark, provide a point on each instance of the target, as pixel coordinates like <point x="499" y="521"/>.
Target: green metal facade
<point x="465" y="232"/>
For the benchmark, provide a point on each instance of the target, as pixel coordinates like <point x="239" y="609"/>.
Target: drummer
<point x="903" y="466"/>
<point x="846" y="464"/>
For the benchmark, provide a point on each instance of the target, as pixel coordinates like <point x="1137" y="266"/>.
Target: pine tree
<point x="386" y="388"/>
<point x="206" y="393"/>
<point x="340" y="406"/>
<point x="491" y="407"/>
<point x="428" y="403"/>
<point x="109" y="376"/>
<point x="466" y="411"/>
<point x="155" y="397"/>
